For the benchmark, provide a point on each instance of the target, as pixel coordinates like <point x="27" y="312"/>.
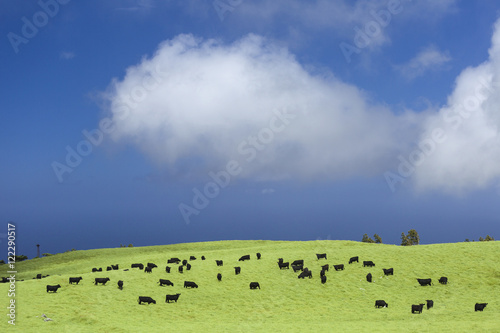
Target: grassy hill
<point x="284" y="304"/>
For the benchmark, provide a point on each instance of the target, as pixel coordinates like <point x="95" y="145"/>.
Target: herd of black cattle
<point x="297" y="265"/>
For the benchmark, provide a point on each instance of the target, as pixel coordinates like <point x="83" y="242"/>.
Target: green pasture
<point x="283" y="304"/>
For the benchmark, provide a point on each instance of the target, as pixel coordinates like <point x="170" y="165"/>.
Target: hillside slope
<point x="283" y="304"/>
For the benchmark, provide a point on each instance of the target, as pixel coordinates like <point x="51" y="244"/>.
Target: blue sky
<point x="157" y="122"/>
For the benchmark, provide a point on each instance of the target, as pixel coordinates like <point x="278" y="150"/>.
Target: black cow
<point x="219" y="276"/>
<point x="114" y="267"/>
<point x="258" y="256"/>
<point x="146" y="299"/>
<point x="5" y="280"/>
<point x="120" y="284"/>
<point x="188" y="267"/>
<point x="321" y="256"/>
<point x="148" y="269"/>
<point x="368" y="263"/>
<point x="109" y="268"/>
<point x="202" y="257"/>
<point x="417" y="308"/>
<point x="237" y="270"/>
<point x="298" y="268"/>
<point x="322" y="273"/>
<point x="167" y="269"/>
<point x="151" y="265"/>
<point x="353" y="259"/>
<point x="325" y="267"/>
<point x="54" y="288"/>
<point x="173" y="261"/>
<point x="284" y="265"/>
<point x="181" y="269"/>
<point x="184" y="262"/>
<point x="192" y="258"/>
<point x="480" y="306"/>
<point x="39" y="276"/>
<point x="425" y="282"/>
<point x="443" y="280"/>
<point x="219" y="262"/>
<point x="323" y="279"/>
<point x="381" y="304"/>
<point x="173" y="298"/>
<point x="140" y="266"/>
<point x="255" y="285"/>
<point x="75" y="280"/>
<point x="369" y="277"/>
<point x="189" y="284"/>
<point x="101" y="280"/>
<point x="245" y="257"/>
<point x="389" y="271"/>
<point x="339" y="267"/>
<point x="165" y="282"/>
<point x="430" y="303"/>
<point x="305" y="273"/>
<point x="298" y="262"/>
<point x="93" y="271"/>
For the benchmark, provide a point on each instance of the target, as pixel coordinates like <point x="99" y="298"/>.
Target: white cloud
<point x="268" y="191"/>
<point x="67" y="55"/>
<point x="429" y="59"/>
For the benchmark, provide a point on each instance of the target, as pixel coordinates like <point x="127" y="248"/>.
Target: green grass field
<point x="284" y="304"/>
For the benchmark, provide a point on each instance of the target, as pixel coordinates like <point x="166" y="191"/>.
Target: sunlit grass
<point x="284" y="304"/>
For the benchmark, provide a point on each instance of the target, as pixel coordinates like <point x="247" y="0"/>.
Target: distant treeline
<point x="412" y="238"/>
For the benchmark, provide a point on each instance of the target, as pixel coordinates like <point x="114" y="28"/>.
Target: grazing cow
<point x="389" y="271"/>
<point x="430" y="303"/>
<point x="417" y="308"/>
<point x="93" y="271"/>
<point x="184" y="262"/>
<point x="325" y="267"/>
<point x="255" y="285"/>
<point x="120" y="284"/>
<point x="219" y="262"/>
<point x="148" y="269"/>
<point x="163" y="282"/>
<point x="284" y="265"/>
<point x="480" y="306"/>
<point x="298" y="262"/>
<point x="443" y="280"/>
<point x="280" y="260"/>
<point x="109" y="268"/>
<point x="54" y="289"/>
<point x="188" y="267"/>
<point x="305" y="273"/>
<point x="173" y="298"/>
<point x="192" y="258"/>
<point x="146" y="299"/>
<point x="425" y="282"/>
<point x="322" y="273"/>
<point x="321" y="256"/>
<point x="219" y="276"/>
<point x="39" y="276"/>
<point x="181" y="269"/>
<point x="99" y="269"/>
<point x="339" y="267"/>
<point x="298" y="268"/>
<point x="202" y="257"/>
<point x="353" y="259"/>
<point x="323" y="279"/>
<point x="75" y="280"/>
<point x="381" y="304"/>
<point x="5" y="280"/>
<point x="101" y="280"/>
<point x="369" y="277"/>
<point x="125" y="270"/>
<point x="167" y="269"/>
<point x="189" y="284"/>
<point x="368" y="263"/>
<point x="114" y="267"/>
<point x="258" y="255"/>
<point x="173" y="261"/>
<point x="237" y="270"/>
<point x="245" y="257"/>
<point x="140" y="266"/>
<point x="151" y="265"/>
